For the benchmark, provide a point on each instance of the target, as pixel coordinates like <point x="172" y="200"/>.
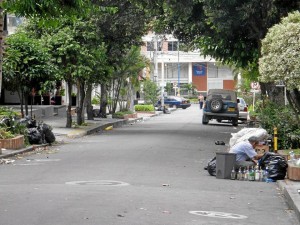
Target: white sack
<point x="246" y="133"/>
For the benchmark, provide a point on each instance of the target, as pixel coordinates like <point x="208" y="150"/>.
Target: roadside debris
<point x="7" y="161"/>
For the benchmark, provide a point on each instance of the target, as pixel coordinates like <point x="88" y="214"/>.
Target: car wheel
<point x="235" y="122"/>
<point x="183" y="107"/>
<point x="219" y="120"/>
<point x="205" y="120"/>
<point x="216" y="105"/>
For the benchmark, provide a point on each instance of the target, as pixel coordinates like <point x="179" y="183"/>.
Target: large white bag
<point x="246" y="133"/>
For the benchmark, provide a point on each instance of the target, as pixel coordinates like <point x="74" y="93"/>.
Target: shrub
<point x="288" y="128"/>
<point x="145" y="108"/>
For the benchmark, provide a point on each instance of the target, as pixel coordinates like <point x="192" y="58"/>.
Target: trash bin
<point x="225" y="162"/>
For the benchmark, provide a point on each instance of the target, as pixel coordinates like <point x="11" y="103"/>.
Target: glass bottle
<point x="239" y="174"/>
<point x="257" y="174"/>
<point x="251" y="174"/>
<point x="233" y="174"/>
<point x="261" y="172"/>
<point x="246" y="173"/>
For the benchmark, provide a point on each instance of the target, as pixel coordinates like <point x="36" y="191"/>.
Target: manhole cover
<point x="98" y="182"/>
<point x="218" y="214"/>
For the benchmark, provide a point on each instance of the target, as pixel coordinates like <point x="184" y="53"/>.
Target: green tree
<point x="27" y="66"/>
<point x="228" y="30"/>
<point x="280" y="60"/>
<point x="151" y="92"/>
<point x="121" y="29"/>
<point x="50" y="9"/>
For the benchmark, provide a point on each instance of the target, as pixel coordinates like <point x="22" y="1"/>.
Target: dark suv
<point x="221" y="105"/>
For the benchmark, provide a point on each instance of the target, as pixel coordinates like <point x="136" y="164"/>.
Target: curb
<point x="290" y="195"/>
<point x="23" y="150"/>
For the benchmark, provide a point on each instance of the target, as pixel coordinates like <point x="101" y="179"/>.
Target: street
<point x="146" y="173"/>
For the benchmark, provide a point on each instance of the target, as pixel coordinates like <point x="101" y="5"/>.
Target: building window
<point x="172" y="46"/>
<point x="150" y="46"/>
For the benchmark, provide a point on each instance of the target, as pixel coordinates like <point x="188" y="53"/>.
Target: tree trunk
<point x="88" y="102"/>
<point x="69" y="108"/>
<point x="80" y="107"/>
<point x="1" y="43"/>
<point x="103" y="101"/>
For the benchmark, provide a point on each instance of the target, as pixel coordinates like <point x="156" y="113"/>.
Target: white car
<point x="243" y="109"/>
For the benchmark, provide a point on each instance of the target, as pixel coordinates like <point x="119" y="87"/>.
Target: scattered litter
<point x="119" y="215"/>
<point x="219" y="143"/>
<point x="167" y="212"/>
<point x="7" y="161"/>
<point x="109" y="128"/>
<point x="298" y="191"/>
<point x="166" y="185"/>
<point x="232" y="197"/>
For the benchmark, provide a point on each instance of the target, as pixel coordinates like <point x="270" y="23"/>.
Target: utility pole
<point x="178" y="84"/>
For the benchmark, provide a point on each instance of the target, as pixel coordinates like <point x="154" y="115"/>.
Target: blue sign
<point x="199" y="70"/>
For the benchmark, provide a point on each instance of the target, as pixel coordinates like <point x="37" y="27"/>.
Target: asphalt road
<point x="146" y="173"/>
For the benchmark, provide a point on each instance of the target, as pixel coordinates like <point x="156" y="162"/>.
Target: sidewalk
<point x="290" y="189"/>
<point x="58" y="124"/>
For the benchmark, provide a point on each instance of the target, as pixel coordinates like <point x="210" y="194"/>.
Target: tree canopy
<point x="280" y="59"/>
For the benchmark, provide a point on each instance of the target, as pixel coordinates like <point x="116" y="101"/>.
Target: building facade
<point x="171" y="65"/>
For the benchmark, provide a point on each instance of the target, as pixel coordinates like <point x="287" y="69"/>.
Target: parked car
<point x="221" y="105"/>
<point x="178" y="102"/>
<point x="243" y="109"/>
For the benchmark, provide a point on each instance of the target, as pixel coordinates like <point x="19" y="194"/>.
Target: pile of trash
<point x="38" y="133"/>
<point x="274" y="164"/>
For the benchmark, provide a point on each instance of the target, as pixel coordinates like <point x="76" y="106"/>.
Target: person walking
<point x="201" y="100"/>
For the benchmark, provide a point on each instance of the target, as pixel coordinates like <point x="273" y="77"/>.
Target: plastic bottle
<point x="233" y="174"/>
<point x="266" y="174"/>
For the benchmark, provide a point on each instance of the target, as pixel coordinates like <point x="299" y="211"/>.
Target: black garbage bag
<point x="211" y="167"/>
<point x="34" y="136"/>
<point x="28" y="122"/>
<point x="277" y="165"/>
<point x="49" y="137"/>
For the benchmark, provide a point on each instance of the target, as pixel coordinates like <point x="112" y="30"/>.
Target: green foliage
<point x="145" y="108"/>
<point x="230" y="31"/>
<point x="280" y="60"/>
<point x="96" y="100"/>
<point x="151" y="92"/>
<point x="273" y="115"/>
<point x="121" y="114"/>
<point x="27" y="64"/>
<point x="8" y="112"/>
<point x="11" y="127"/>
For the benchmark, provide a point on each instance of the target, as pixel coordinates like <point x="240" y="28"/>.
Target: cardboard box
<point x="261" y="149"/>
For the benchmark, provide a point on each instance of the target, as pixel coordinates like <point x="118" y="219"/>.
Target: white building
<point x="179" y="67"/>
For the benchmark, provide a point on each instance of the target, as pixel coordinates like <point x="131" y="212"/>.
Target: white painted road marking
<point x="218" y="214"/>
<point x="99" y="182"/>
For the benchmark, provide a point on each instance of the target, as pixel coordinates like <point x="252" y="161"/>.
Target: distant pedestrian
<point x="201" y="100"/>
